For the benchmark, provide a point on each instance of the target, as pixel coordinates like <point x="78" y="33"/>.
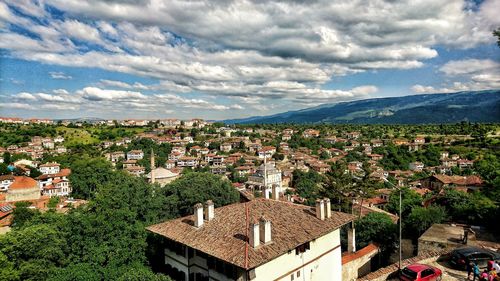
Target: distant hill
<point x="472" y="106"/>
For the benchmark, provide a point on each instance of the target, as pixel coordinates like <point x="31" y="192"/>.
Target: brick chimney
<point x="198" y="215"/>
<point x="320" y="209"/>
<point x="265" y="230"/>
<point x="254" y="239"/>
<point x="328" y="208"/>
<point x="209" y="210"/>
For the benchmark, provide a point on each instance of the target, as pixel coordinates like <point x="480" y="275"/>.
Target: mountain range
<point x="472" y="106"/>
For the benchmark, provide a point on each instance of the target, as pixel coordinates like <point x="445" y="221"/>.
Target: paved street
<point x="449" y="274"/>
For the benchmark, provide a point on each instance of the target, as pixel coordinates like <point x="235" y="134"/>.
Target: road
<point x="449" y="274"/>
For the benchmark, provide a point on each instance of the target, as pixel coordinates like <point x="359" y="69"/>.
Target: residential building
<point x="187" y="162"/>
<point x="416" y="166"/>
<point x="135" y="155"/>
<point x="267" y="152"/>
<point x="462" y="183"/>
<point x="23" y="189"/>
<point x="5" y="182"/>
<point x="50" y="168"/>
<point x="58" y="187"/>
<point x="311" y="133"/>
<point x="135" y="170"/>
<point x="48" y="179"/>
<point x="286" y="241"/>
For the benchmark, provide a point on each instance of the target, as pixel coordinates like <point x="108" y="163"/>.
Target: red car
<point x="420" y="272"/>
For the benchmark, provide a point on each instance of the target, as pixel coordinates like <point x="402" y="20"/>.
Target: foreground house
<point x="258" y="240"/>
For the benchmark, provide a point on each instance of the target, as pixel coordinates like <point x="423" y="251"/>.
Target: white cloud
<point x="97" y="94"/>
<point x="254" y="52"/>
<point x="472" y="75"/>
<point x="26" y="96"/>
<point x="469" y="66"/>
<point x="15" y="105"/>
<point x="59" y="75"/>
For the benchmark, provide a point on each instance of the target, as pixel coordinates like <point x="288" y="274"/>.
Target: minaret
<point x="265" y="176"/>
<point x="152" y="166"/>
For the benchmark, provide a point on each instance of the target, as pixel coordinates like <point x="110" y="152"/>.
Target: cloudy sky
<point x="230" y="58"/>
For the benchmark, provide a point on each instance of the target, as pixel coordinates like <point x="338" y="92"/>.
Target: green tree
<point x="183" y="193"/>
<point x="410" y="200"/>
<point x="87" y="174"/>
<point x="420" y="219"/>
<point x="377" y="228"/>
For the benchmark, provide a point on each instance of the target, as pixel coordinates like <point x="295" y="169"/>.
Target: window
<point x="291" y="277"/>
<point x="298" y="274"/>
<point x="427" y="272"/>
<point x="302" y="248"/>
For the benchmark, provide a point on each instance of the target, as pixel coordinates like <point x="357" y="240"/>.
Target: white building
<point x="265" y="183"/>
<point x="416" y="166"/>
<point x="5" y="182"/>
<point x="135" y="155"/>
<point x="58" y="187"/>
<point x="49" y="168"/>
<point x="286" y="241"/>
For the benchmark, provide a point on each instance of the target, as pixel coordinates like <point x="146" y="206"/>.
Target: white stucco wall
<point x="327" y="267"/>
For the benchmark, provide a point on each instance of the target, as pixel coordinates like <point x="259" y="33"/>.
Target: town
<point x="202" y="200"/>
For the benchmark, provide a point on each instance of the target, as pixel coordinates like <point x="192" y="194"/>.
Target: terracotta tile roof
<point x="459" y="180"/>
<point x="370" y="249"/>
<point x="6" y="177"/>
<point x="62" y="173"/>
<point x="224" y="236"/>
<point x="53" y="164"/>
<point x="23" y="182"/>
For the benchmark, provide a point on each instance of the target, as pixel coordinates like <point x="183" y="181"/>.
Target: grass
<point x="74" y="136"/>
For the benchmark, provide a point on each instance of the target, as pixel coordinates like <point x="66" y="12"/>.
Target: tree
<point x="410" y="200"/>
<point x="22" y="214"/>
<point x="87" y="174"/>
<point x="377" y="228"/>
<point x="7" y="270"/>
<point x="183" y="193"/>
<point x="420" y="219"/>
<point x="34" y="250"/>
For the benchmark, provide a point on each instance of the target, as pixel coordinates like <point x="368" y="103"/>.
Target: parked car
<point x="420" y="272"/>
<point x="460" y="257"/>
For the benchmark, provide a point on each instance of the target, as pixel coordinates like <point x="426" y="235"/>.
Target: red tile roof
<point x="224" y="236"/>
<point x="23" y="182"/>
<point x="370" y="249"/>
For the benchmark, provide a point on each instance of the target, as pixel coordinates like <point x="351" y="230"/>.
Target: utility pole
<point x="400" y="223"/>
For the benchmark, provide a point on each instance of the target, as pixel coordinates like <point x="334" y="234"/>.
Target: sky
<point x="120" y="59"/>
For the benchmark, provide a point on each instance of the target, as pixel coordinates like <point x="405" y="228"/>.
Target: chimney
<point x="320" y="209"/>
<point x="254" y="239"/>
<point x="198" y="215"/>
<point x="328" y="208"/>
<point x="275" y="194"/>
<point x="209" y="210"/>
<point x="265" y="230"/>
<point x="266" y="194"/>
